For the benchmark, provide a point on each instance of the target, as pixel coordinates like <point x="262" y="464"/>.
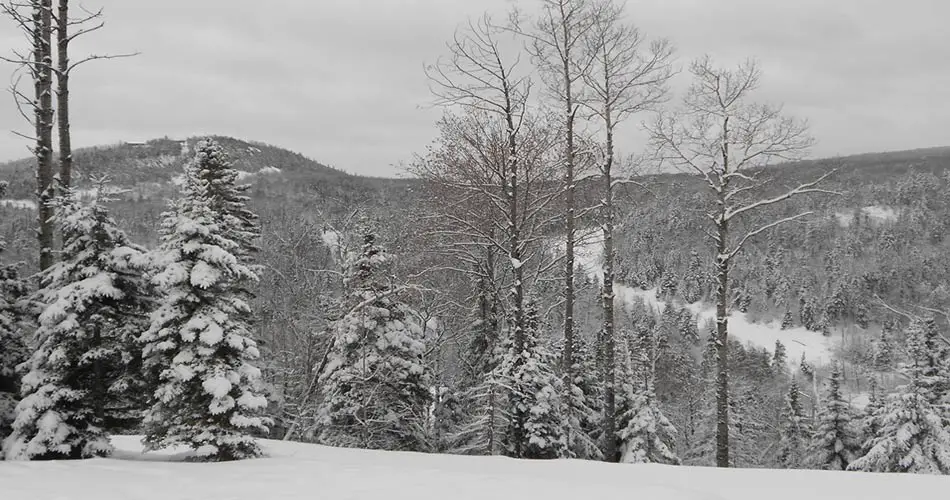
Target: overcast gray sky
<point x="341" y="81"/>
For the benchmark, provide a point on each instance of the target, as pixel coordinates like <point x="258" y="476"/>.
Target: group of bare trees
<point x="505" y="170"/>
<point x="38" y="21"/>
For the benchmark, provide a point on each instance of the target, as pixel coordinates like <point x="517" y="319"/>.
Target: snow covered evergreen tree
<point x="780" y="359"/>
<point x="376" y="384"/>
<point x="83" y="379"/>
<point x="198" y="348"/>
<point x="835" y="443"/>
<point x="794" y="431"/>
<point x="537" y="426"/>
<point x="227" y="198"/>
<point x="881" y="356"/>
<point x="584" y="405"/>
<point x="870" y="417"/>
<point x="913" y="434"/>
<point x="13" y="349"/>
<point x="645" y="434"/>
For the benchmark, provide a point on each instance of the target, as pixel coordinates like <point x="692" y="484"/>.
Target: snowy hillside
<point x="295" y="470"/>
<point x="798" y="341"/>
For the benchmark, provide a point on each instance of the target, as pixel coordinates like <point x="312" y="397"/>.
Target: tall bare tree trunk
<point x="722" y="304"/>
<point x="610" y="405"/>
<point x="43" y="110"/>
<point x="722" y="347"/>
<point x="569" y="222"/>
<point x="62" y="95"/>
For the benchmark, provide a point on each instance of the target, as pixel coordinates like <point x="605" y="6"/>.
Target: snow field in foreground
<point x="302" y="471"/>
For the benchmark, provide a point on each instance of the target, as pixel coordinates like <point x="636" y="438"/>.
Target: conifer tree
<point x="881" y="351"/>
<point x="912" y="431"/>
<point x="585" y="403"/>
<point x="213" y="166"/>
<point x="794" y="430"/>
<point x="780" y="359"/>
<point x="198" y="348"/>
<point x="537" y="425"/>
<point x="645" y="434"/>
<point x="835" y="443"/>
<point x="83" y="378"/>
<point x="787" y="320"/>
<point x="376" y="383"/>
<point x="870" y="417"/>
<point x="688" y="329"/>
<point x="13" y="325"/>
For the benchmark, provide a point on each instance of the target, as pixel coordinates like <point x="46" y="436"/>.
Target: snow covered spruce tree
<point x="83" y="379"/>
<point x="537" y="424"/>
<point x="13" y="349"/>
<point x="913" y="434"/>
<point x="227" y="200"/>
<point x="375" y="384"/>
<point x="645" y="435"/>
<point x="794" y="431"/>
<point x="835" y="443"/>
<point x="198" y="349"/>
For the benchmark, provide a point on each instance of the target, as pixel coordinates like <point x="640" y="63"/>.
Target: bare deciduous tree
<point x="35" y="19"/>
<point x="628" y="74"/>
<point x="556" y="45"/>
<point x="492" y="165"/>
<point x="729" y="141"/>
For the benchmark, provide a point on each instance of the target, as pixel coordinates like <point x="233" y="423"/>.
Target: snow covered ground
<point x="798" y="341"/>
<point x="19" y="204"/>
<point x="875" y="213"/>
<point x="302" y="471"/>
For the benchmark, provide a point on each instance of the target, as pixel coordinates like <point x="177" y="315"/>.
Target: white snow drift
<point x="300" y="471"/>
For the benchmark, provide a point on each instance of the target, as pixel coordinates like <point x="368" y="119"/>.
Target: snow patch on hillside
<point x="815" y="347"/>
<point x="19" y="204"/>
<point x="876" y="213"/>
<point x="300" y="471"/>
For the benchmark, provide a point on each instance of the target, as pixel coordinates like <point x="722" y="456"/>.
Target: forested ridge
<point x="524" y="288"/>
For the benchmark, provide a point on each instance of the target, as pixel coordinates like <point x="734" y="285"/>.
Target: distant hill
<point x="149" y="167"/>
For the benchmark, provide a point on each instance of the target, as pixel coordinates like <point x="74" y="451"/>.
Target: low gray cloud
<point x="342" y="82"/>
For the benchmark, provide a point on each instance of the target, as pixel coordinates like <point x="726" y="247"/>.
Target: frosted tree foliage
<point x="585" y="401"/>
<point x="198" y="348"/>
<point x="227" y="198"/>
<point x="835" y="442"/>
<point x="644" y="434"/>
<point x="83" y="378"/>
<point x="376" y="385"/>
<point x="912" y="428"/>
<point x="794" y="432"/>
<point x="13" y="350"/>
<point x="537" y="426"/>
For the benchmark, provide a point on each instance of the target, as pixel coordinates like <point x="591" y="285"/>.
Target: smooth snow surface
<point x="797" y="341"/>
<point x="875" y="213"/>
<point x="306" y="472"/>
<point x="19" y="204"/>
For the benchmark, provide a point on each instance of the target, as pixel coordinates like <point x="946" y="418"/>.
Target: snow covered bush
<point x="375" y="384"/>
<point x="198" y="348"/>
<point x="83" y="378"/>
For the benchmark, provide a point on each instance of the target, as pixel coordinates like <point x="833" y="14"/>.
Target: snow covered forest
<point x="528" y="289"/>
